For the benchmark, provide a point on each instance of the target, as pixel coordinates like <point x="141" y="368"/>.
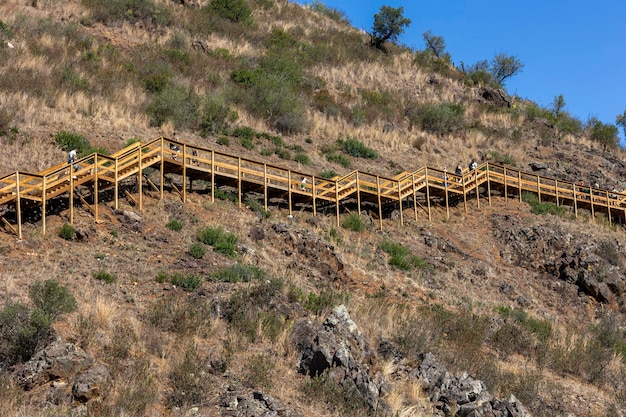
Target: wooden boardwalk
<point x="419" y="190"/>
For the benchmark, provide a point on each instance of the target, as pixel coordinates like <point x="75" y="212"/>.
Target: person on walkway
<point x="71" y="158"/>
<point x="445" y="177"/>
<point x="303" y="183"/>
<point x="473" y="165"/>
<point x="459" y="171"/>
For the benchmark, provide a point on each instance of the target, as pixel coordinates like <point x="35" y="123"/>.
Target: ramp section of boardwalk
<point x="420" y="190"/>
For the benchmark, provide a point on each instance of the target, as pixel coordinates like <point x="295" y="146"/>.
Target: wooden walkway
<point x="419" y="190"/>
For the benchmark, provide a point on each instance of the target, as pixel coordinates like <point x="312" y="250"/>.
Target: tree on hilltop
<point x="389" y="23"/>
<point x="505" y="66"/>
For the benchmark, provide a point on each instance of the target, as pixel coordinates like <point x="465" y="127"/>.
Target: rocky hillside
<point x="209" y="309"/>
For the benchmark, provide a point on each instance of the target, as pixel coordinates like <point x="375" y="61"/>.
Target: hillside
<point x="208" y="308"/>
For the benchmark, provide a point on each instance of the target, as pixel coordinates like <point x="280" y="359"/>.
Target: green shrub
<point x="187" y="282"/>
<point x="354" y="147"/>
<point x="175" y="225"/>
<point x="180" y="315"/>
<point x="67" y="232"/>
<point x="175" y="104"/>
<point x="215" y="116"/>
<point x="247" y="143"/>
<point x="247" y="310"/>
<point x="302" y="158"/>
<point x="401" y="257"/>
<point x="52" y="298"/>
<point x="260" y="371"/>
<point x="189" y="379"/>
<point x="223" y="140"/>
<point x="225" y="195"/>
<point x="238" y="273"/>
<point x="222" y="242"/>
<point x="68" y="141"/>
<point x="244" y="132"/>
<point x="328" y="174"/>
<point x="353" y="222"/>
<point x="542" y="208"/>
<point x="105" y="276"/>
<point x="132" y="11"/>
<point x="197" y="250"/>
<point x="343" y="399"/>
<point x="283" y="153"/>
<point x="156" y="77"/>
<point x="440" y="118"/>
<point x="320" y="303"/>
<point x="258" y="208"/>
<point x="236" y="11"/>
<point x="339" y="159"/>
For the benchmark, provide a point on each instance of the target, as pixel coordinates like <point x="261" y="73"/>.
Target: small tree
<point x="389" y="23"/>
<point x="505" y="66"/>
<point x="620" y="120"/>
<point x="606" y="134"/>
<point x="435" y="44"/>
<point x="558" y="105"/>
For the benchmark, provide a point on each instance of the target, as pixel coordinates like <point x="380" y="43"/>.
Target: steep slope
<point x="514" y="299"/>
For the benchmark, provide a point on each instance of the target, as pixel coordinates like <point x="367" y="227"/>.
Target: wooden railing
<point x="417" y="189"/>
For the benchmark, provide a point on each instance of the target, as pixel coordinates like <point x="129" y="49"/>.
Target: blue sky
<point x="575" y="48"/>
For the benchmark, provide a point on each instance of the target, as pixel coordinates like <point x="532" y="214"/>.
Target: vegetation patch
<point x="222" y="242"/>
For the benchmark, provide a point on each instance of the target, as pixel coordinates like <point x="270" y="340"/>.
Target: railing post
<point x="506" y="193"/>
<point x="239" y="182"/>
<point x="575" y="203"/>
<point x="414" y="195"/>
<point x="476" y="188"/>
<point x="337" y="200"/>
<point x="184" y="173"/>
<point x="380" y="206"/>
<point x="43" y="205"/>
<point x="18" y="204"/>
<point x="95" y="187"/>
<point x="428" y="195"/>
<point x="212" y="176"/>
<point x="117" y="187"/>
<point x="162" y="165"/>
<point x="556" y="192"/>
<point x="140" y="179"/>
<point x="358" y="194"/>
<point x="608" y="207"/>
<point x="464" y="194"/>
<point x="400" y="201"/>
<point x="71" y="195"/>
<point x="488" y="184"/>
<point x="314" y="192"/>
<point x="289" y="191"/>
<point x="538" y="189"/>
<point x="519" y="179"/>
<point x="265" y="185"/>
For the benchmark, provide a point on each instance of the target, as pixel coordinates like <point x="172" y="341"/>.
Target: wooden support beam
<point x="358" y="194"/>
<point x="314" y="193"/>
<point x="336" y="200"/>
<point x="506" y="194"/>
<point x="162" y="166"/>
<point x="151" y="184"/>
<point x="130" y="197"/>
<point x="575" y="203"/>
<point x="265" y="185"/>
<point x="519" y="179"/>
<point x="414" y="195"/>
<point x="117" y="184"/>
<point x="185" y="174"/>
<point x="82" y="199"/>
<point x="488" y="184"/>
<point x="71" y="196"/>
<point x="380" y="206"/>
<point x="43" y="205"/>
<point x="289" y="191"/>
<point x="427" y="195"/>
<point x="212" y="176"/>
<point x="9" y="226"/>
<point x="538" y="189"/>
<point x="400" y="203"/>
<point x="140" y="178"/>
<point x="95" y="187"/>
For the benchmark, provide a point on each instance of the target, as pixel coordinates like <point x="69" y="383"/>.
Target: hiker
<point x="175" y="149"/>
<point x="445" y="177"/>
<point x="473" y="165"/>
<point x="459" y="171"/>
<point x="303" y="183"/>
<point x="71" y="158"/>
<point x="194" y="161"/>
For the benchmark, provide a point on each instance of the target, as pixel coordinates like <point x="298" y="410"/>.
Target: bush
<point x="354" y="147"/>
<point x="215" y="116"/>
<point x="319" y="303"/>
<point x="302" y="158"/>
<point x="353" y="222"/>
<point x="197" y="250"/>
<point x="344" y="399"/>
<point x="222" y="242"/>
<point x="132" y="11"/>
<point x="258" y="208"/>
<point x="175" y="104"/>
<point x="440" y="118"/>
<point x="238" y="273"/>
<point x="339" y="159"/>
<point x="189" y="379"/>
<point x="105" y="276"/>
<point x="542" y="208"/>
<point x="181" y="315"/>
<point x="67" y="232"/>
<point x="52" y="298"/>
<point x="328" y="174"/>
<point x="175" y="225"/>
<point x="68" y="141"/>
<point x="401" y="256"/>
<point x="233" y="10"/>
<point x="223" y="140"/>
<point x="187" y="282"/>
